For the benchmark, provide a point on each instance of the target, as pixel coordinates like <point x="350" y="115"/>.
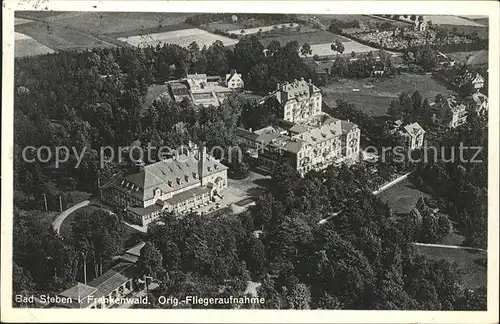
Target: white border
<point x="488" y="8"/>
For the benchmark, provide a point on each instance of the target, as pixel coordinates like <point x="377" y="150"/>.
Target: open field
<point x="451" y="20"/>
<point x="474" y="275"/>
<point x="27" y="46"/>
<point x="60" y="38"/>
<point x="130" y="23"/>
<point x="19" y="21"/>
<point x="326" y="50"/>
<point x="461" y="56"/>
<point x="312" y="38"/>
<point x="180" y="37"/>
<point x="262" y="29"/>
<point x="375" y="95"/>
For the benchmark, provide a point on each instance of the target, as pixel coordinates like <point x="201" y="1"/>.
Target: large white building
<point x="179" y="184"/>
<point x="298" y="100"/>
<point x="308" y="139"/>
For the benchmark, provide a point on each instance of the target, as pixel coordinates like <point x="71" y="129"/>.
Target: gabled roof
<point x="414" y="129"/>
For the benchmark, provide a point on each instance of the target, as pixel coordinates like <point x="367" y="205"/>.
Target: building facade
<point x="448" y="112"/>
<point x="298" y="100"/>
<point x="234" y="80"/>
<point x="179" y="184"/>
<point x="413" y="135"/>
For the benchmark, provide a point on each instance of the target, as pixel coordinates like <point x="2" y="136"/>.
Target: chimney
<point x="250" y="130"/>
<point x="302" y="79"/>
<point x="201" y="162"/>
<point x="310" y="82"/>
<point x="278" y="86"/>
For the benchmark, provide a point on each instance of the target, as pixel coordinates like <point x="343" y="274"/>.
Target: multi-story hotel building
<point x="178" y="184"/>
<point x="298" y="100"/>
<point x="308" y="139"/>
<point x="306" y="148"/>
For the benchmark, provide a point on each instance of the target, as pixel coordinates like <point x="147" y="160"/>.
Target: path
<point x="60" y="219"/>
<point x="458" y="247"/>
<point x="392" y="183"/>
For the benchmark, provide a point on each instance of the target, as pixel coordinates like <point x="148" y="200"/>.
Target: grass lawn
<point x="474" y="275"/>
<point x="402" y="197"/>
<point x="375" y="95"/>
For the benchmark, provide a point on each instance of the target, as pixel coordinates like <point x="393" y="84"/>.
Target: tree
<point x="299" y="297"/>
<point x="353" y="54"/>
<point x="150" y="261"/>
<point x="306" y="50"/>
<point x="416" y="98"/>
<point x="338" y="47"/>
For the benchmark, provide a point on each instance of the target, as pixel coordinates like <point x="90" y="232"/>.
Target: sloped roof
<point x="79" y="291"/>
<point x="413" y="129"/>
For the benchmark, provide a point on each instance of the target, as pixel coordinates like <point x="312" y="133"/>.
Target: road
<point x="458" y="247"/>
<point x="392" y="183"/>
<point x="60" y="219"/>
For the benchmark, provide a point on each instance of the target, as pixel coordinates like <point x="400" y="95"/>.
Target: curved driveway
<point x="60" y="219"/>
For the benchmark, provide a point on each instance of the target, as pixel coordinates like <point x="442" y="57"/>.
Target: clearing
<point x="180" y="37"/>
<point x="402" y="197"/>
<point x="375" y="95"/>
<point x="262" y="29"/>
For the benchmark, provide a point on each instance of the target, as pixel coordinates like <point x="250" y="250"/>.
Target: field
<point x="180" y="37"/>
<point x="27" y="46"/>
<point x="60" y="38"/>
<point x="451" y="20"/>
<point x="116" y="23"/>
<point x="375" y="95"/>
<point x="461" y="56"/>
<point x="474" y="275"/>
<point x="402" y="197"/>
<point x="312" y="38"/>
<point x="350" y="46"/>
<point x="262" y="29"/>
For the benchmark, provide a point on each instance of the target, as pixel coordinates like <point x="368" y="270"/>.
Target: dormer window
<point x="178" y="181"/>
<point x="186" y="177"/>
<point x="195" y="175"/>
<point x="169" y="183"/>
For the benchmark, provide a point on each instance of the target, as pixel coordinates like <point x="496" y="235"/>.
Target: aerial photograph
<point x="250" y="161"/>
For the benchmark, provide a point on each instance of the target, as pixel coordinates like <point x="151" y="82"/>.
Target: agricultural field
<point x="116" y="24"/>
<point x="451" y="20"/>
<point x="374" y="95"/>
<point x="27" y="46"/>
<point x="312" y="38"/>
<point x="350" y="46"/>
<point x="262" y="29"/>
<point x="60" y="38"/>
<point x="179" y="37"/>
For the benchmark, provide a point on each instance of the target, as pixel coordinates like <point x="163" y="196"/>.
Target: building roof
<point x="231" y="75"/>
<point x="100" y="286"/>
<point x="414" y="129"/>
<point x="243" y="133"/>
<point x="298" y="90"/>
<point x="197" y="76"/>
<point x="168" y="175"/>
<point x="183" y="196"/>
<point x="80" y="290"/>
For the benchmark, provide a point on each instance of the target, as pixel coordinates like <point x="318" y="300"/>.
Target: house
<point x="178" y="184"/>
<point x="413" y="135"/>
<point x="298" y="101"/>
<point x="478" y="102"/>
<point x="477" y="81"/>
<point x="448" y="112"/>
<point x="234" y="80"/>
